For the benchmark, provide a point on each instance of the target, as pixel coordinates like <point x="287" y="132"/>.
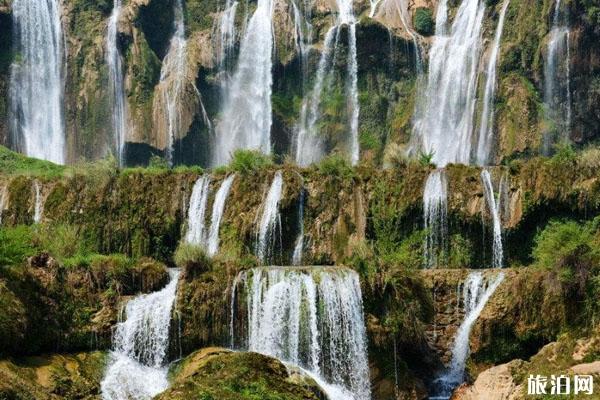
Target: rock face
<point x="215" y="373"/>
<point x="387" y="75"/>
<point x="69" y="377"/>
<point x="496" y="383"/>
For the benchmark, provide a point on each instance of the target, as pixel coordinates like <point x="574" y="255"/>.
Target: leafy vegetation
<point x="337" y="166"/>
<point x="249" y="161"/>
<point x="16" y="244"/>
<point x="423" y="21"/>
<point x="12" y="163"/>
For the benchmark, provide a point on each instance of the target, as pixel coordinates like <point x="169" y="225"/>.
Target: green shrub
<point x="337" y="166"/>
<point x="460" y="252"/>
<point x="16" y="244"/>
<point x="192" y="258"/>
<point x="61" y="241"/>
<point x="157" y="162"/>
<point x="248" y="161"/>
<point x="423" y="21"/>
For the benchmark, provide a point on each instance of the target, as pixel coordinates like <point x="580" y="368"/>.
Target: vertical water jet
<point x="493" y="202"/>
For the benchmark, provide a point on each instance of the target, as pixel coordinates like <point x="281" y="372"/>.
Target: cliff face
<point x="388" y="81"/>
<point x="368" y="219"/>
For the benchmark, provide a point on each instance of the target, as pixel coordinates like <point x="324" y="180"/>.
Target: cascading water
<point x="116" y="84"/>
<point x="557" y="81"/>
<point x="443" y="124"/>
<point x="245" y="121"/>
<point x="38" y="205"/>
<point x="309" y="145"/>
<point x="270" y="222"/>
<point x="396" y="13"/>
<point x="486" y="127"/>
<point x="36" y="84"/>
<point x="217" y="214"/>
<point x="299" y="246"/>
<point x="495" y="209"/>
<point x="171" y="86"/>
<point x="309" y="317"/>
<point x="196" y="213"/>
<point x="435" y="212"/>
<point x="227" y="33"/>
<point x="476" y="293"/>
<point x="302" y="32"/>
<point x="138" y="362"/>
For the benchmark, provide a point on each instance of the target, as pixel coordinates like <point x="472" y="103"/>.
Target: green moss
<point x="219" y="374"/>
<point x="248" y="161"/>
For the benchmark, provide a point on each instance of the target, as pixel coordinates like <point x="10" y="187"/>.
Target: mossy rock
<point x="67" y="377"/>
<point x="219" y="374"/>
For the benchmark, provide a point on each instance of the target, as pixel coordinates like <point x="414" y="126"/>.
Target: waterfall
<point x="36" y="83"/>
<point x="302" y="32"/>
<point x="171" y="86"/>
<point x="476" y="293"/>
<point x="486" y="128"/>
<point x="217" y="215"/>
<point x="227" y="33"/>
<point x="245" y="121"/>
<point x="38" y="207"/>
<point x="389" y="11"/>
<point x="270" y="221"/>
<point x="309" y="317"/>
<point x="196" y="213"/>
<point x="557" y="81"/>
<point x="495" y="208"/>
<point x="4" y="194"/>
<point x="435" y="213"/>
<point x="309" y="146"/>
<point x="299" y="246"/>
<point x="137" y="366"/>
<point x="116" y="84"/>
<point x="443" y="123"/>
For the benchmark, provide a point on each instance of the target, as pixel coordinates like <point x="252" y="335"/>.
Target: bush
<point x="337" y="166"/>
<point x="192" y="259"/>
<point x="248" y="161"/>
<point x="423" y="21"/>
<point x="61" y="241"/>
<point x="16" y="244"/>
<point x="157" y="162"/>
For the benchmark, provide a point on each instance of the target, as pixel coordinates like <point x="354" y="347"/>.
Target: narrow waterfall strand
<point x="493" y="202"/>
<point x="114" y="60"/>
<point x="197" y="212"/>
<point x="299" y="246"/>
<point x="38" y="205"/>
<point x="270" y="221"/>
<point x="476" y="293"/>
<point x="217" y="215"/>
<point x="486" y="127"/>
<point x="435" y="214"/>
<point x="4" y="195"/>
